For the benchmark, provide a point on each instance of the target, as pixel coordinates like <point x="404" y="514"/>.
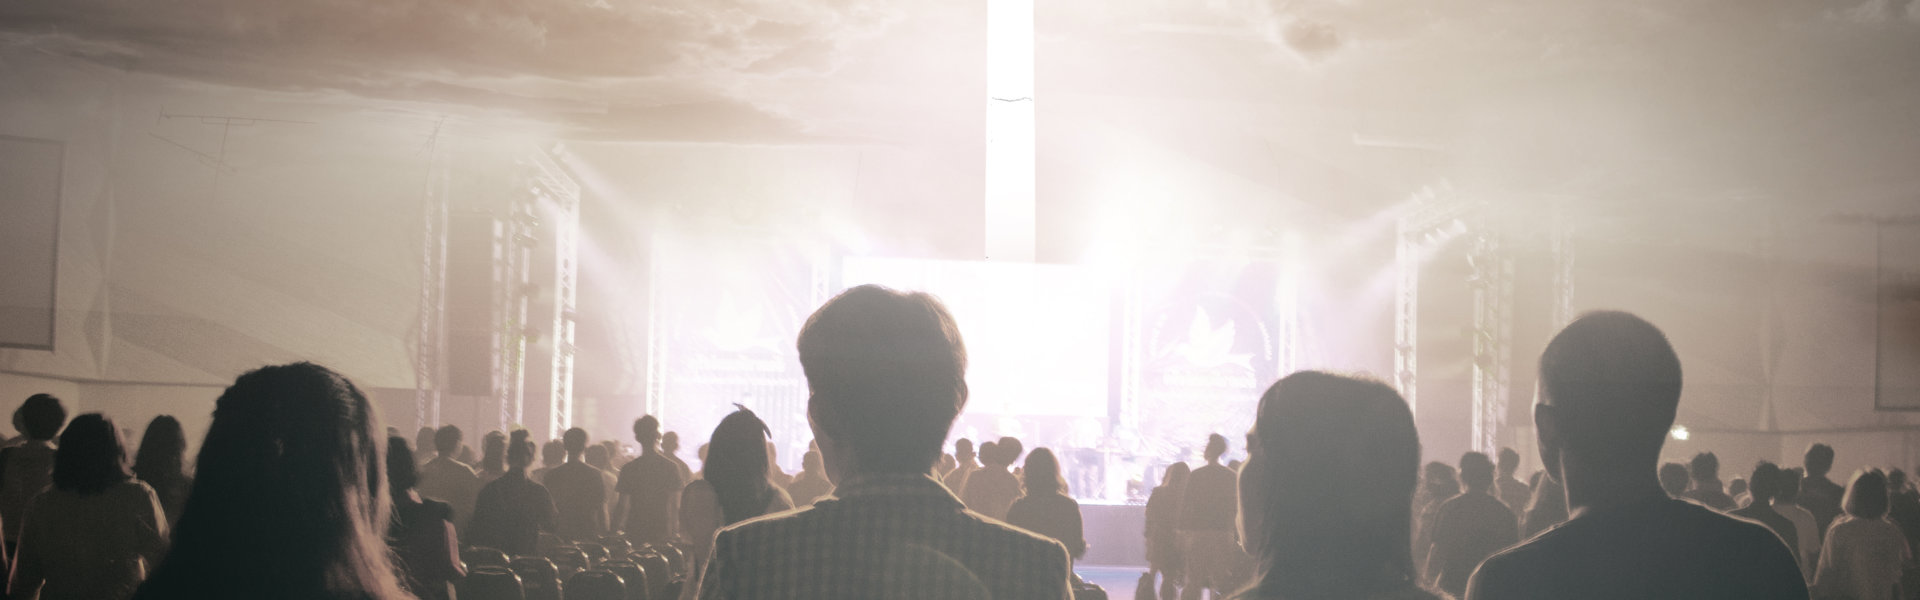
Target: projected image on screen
<point x="30" y="201"/>
<point x="1036" y="335"/>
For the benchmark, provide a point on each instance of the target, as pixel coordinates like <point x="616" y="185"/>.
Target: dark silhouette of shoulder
<point x="1659" y="548"/>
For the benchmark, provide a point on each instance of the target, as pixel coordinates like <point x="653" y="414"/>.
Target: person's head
<point x="1819" y="460"/>
<point x="1897" y="482"/>
<point x="91" y="457"/>
<point x="1009" y="449"/>
<point x="1509" y="462"/>
<point x="41" y="417"/>
<point x="670" y="442"/>
<point x="574" y="441"/>
<point x="1441" y="481"/>
<point x="447" y="440"/>
<point x="1327" y="489"/>
<point x="1042" y="473"/>
<point x="1867" y="495"/>
<point x="1705" y="468"/>
<point x="401" y="475"/>
<point x="423" y="441"/>
<point x="493" y="451"/>
<point x="963" y="451"/>
<point x="1476" y="471"/>
<point x="1176" y="476"/>
<point x="646" y="431"/>
<point x="1764" y="483"/>
<point x="1216" y="447"/>
<point x="290" y="496"/>
<point x="947" y="463"/>
<point x="810" y="462"/>
<point x="988" y="453"/>
<point x="1609" y="387"/>
<point x="596" y="456"/>
<point x="163" y="450"/>
<point x="519" y="450"/>
<point x="1674" y="478"/>
<point x="553" y="453"/>
<point x="887" y="372"/>
<point x="1736" y="487"/>
<point x="1789" y="491"/>
<point x="737" y="465"/>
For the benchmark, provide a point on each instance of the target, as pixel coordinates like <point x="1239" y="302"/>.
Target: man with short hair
<point x="1508" y="488"/>
<point x="29" y="465"/>
<point x="1707" y="488"/>
<point x="1469" y="527"/>
<point x="1804" y="528"/>
<point x="963" y="455"/>
<point x="649" y="489"/>
<point x="1674" y="479"/>
<point x="1209" y="513"/>
<point x="447" y="479"/>
<point x="670" y="448"/>
<point x="1819" y="495"/>
<point x="579" y="493"/>
<point x="886" y="371"/>
<point x="552" y="454"/>
<point x="1609" y="388"/>
<point x="1764" y="486"/>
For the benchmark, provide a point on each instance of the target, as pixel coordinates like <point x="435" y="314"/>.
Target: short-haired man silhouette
<point x="1508" y="487"/>
<point x="649" y="489"/>
<point x="1469" y="527"/>
<point x="1609" y="388"/>
<point x="1674" y="479"/>
<point x="887" y="375"/>
<point x="1819" y="495"/>
<point x="447" y="479"/>
<point x="1707" y="489"/>
<point x="1764" y="485"/>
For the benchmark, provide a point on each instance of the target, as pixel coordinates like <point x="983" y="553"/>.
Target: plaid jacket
<point x="897" y="536"/>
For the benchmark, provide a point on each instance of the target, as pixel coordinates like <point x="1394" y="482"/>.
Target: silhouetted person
<point x="775" y="475"/>
<point x="552" y="454"/>
<point x="1327" y="490"/>
<point x="1804" y="529"/>
<point x="1163" y="539"/>
<point x="736" y="485"/>
<point x="1469" y="527"/>
<point x="945" y="465"/>
<point x="649" y="489"/>
<point x="992" y="489"/>
<point x="27" y="468"/>
<point x="1706" y="487"/>
<point x="1674" y="479"/>
<point x="1609" y="387"/>
<point x="97" y="531"/>
<point x="423" y="447"/>
<point x="512" y="510"/>
<point x="670" y="448"/>
<point x="1737" y="490"/>
<point x="1819" y="495"/>
<point x="289" y="496"/>
<point x="609" y="477"/>
<point x="965" y="465"/>
<point x="1863" y="553"/>
<point x="1208" y="512"/>
<point x="579" y="492"/>
<point x="493" y="457"/>
<point x="1508" y="487"/>
<point x="1046" y="509"/>
<point x="812" y="483"/>
<point x="422" y="534"/>
<point x="1903" y="505"/>
<point x="161" y="463"/>
<point x="1548" y="508"/>
<point x="1764" y="487"/>
<point x="447" y="479"/>
<point x="886" y="372"/>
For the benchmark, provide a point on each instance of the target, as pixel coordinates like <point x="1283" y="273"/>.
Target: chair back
<point x="635" y="577"/>
<point x="491" y="583"/>
<point x="617" y="546"/>
<point x="480" y="556"/>
<point x="538" y="577"/>
<point x="662" y="586"/>
<point x="596" y="585"/>
<point x="569" y="561"/>
<point x="596" y="553"/>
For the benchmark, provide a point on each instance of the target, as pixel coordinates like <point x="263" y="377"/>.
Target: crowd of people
<point x="297" y="492"/>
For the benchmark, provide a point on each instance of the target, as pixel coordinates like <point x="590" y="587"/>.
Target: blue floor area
<point x="1119" y="581"/>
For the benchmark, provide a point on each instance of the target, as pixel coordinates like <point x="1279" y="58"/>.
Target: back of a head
<point x="1333" y="474"/>
<point x="1764" y="483"/>
<point x="737" y="465"/>
<point x="446" y="441"/>
<point x="810" y="462"/>
<point x="1705" y="467"/>
<point x="1010" y="450"/>
<point x="887" y="372"/>
<point x="574" y="441"/>
<point x="1674" y="478"/>
<point x="401" y="475"/>
<point x="1476" y="471"/>
<point x="963" y="448"/>
<point x="646" y="430"/>
<point x="163" y="450"/>
<point x="1819" y="460"/>
<point x="1789" y="491"/>
<point x="423" y="439"/>
<point x="670" y="442"/>
<point x="519" y="449"/>
<point x="553" y="453"/>
<point x="1615" y="380"/>
<point x="91" y="457"/>
<point x="41" y="417"/>
<point x="988" y="453"/>
<point x="1867" y="495"/>
<point x="1216" y="446"/>
<point x="1176" y="477"/>
<point x="1042" y="473"/>
<point x="1441" y="480"/>
<point x="596" y="455"/>
<point x="290" y="495"/>
<point x="493" y="451"/>
<point x="1509" y="462"/>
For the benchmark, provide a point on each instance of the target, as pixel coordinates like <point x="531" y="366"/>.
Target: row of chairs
<point x="610" y="569"/>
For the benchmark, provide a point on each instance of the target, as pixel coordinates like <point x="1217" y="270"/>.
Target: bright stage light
<point x="1680" y="432"/>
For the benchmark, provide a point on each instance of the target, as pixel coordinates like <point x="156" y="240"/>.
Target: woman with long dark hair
<point x="289" y="496"/>
<point x="493" y="457"/>
<point x="161" y="463"/>
<point x="1326" y="493"/>
<point x="735" y="486"/>
<point x="512" y="510"/>
<point x="94" y="534"/>
<point x="422" y="534"/>
<point x="1046" y="509"/>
